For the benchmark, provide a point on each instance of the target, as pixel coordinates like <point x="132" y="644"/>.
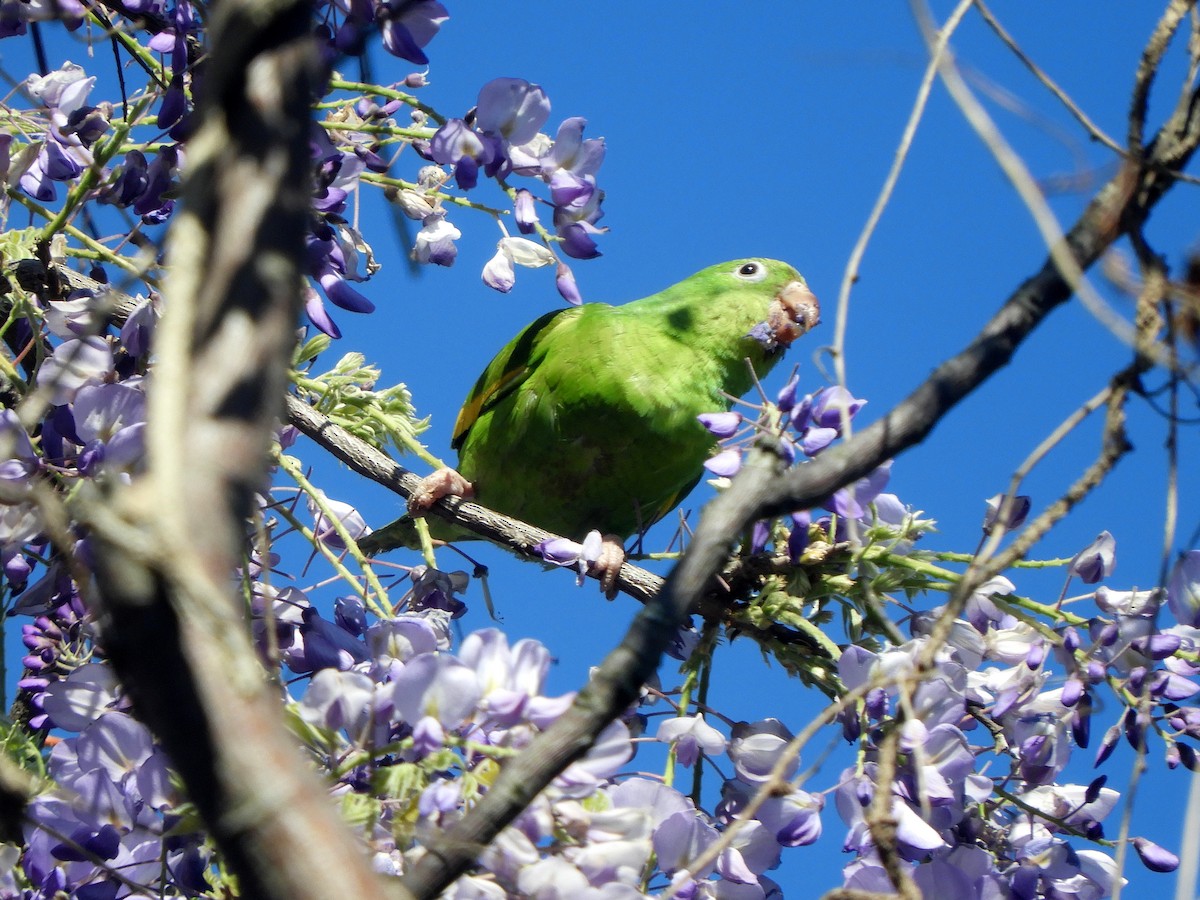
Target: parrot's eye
<point x="751" y="271"/>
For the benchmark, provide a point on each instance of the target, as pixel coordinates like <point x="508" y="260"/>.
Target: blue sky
<point x="766" y="130"/>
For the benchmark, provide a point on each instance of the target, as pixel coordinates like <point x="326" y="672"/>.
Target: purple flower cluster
<point x="405" y="27"/>
<point x="111" y="817"/>
<point x="995" y="818"/>
<point x="804" y="426"/>
<point x="59" y="141"/>
<point x="60" y="641"/>
<point x="432" y="724"/>
<point x="391" y="695"/>
<point x="131" y="832"/>
<point x="65" y="132"/>
<point x="68" y="131"/>
<point x="337" y="255"/>
<point x="87" y="413"/>
<point x="963" y="837"/>
<point x="501" y="137"/>
<point x="92" y="427"/>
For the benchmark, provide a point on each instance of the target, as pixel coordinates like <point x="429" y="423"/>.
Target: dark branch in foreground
<point x="165" y="546"/>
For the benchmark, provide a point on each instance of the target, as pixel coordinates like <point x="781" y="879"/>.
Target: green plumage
<point x="587" y="419"/>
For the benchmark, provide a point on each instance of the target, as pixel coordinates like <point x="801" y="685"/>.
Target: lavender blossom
<point x="690" y="736"/>
<point x="409" y="27"/>
<point x="435" y="241"/>
<point x="1018" y="510"/>
<point x="1183" y="589"/>
<point x="1095" y="561"/>
<point x="567" y="553"/>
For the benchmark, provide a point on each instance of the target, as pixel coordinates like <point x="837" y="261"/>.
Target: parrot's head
<point x="793" y="309"/>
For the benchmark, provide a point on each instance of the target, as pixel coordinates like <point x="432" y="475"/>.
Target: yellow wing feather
<point x="508" y="370"/>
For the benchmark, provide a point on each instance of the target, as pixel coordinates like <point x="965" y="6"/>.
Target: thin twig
<point x="1072" y="107"/>
<point x="850" y="276"/>
<point x="1025" y="185"/>
<point x="1147" y="70"/>
<point x="1069" y="424"/>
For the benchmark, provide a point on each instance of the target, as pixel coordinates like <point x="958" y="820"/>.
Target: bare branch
<point x="885" y="195"/>
<point x="1147" y="70"/>
<point x="1072" y="107"/>
<point x="1025" y="185"/>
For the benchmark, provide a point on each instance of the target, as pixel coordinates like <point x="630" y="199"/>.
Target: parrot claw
<point x="444" y="482"/>
<point x="608" y="566"/>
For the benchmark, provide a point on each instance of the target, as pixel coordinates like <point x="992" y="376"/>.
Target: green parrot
<point x="587" y="419"/>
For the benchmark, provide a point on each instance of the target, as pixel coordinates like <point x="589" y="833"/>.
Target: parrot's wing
<point x="509" y="370"/>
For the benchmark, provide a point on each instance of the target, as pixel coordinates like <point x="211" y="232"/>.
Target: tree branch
<point x="742" y="575"/>
<point x="165" y="546"/>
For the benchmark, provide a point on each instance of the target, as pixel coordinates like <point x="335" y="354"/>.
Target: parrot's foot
<point x="433" y="487"/>
<point x="608" y="565"/>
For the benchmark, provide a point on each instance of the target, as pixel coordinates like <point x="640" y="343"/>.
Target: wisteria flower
<point x="1154" y="857"/>
<point x="571" y="153"/>
<point x="569" y="554"/>
<point x="1018" y="509"/>
<point x="511" y="678"/>
<point x="1183" y="589"/>
<point x="110" y="420"/>
<point x="756" y="748"/>
<point x="408" y="27"/>
<point x="499" y="273"/>
<point x="690" y="736"/>
<point x="564" y="282"/>
<point x="64" y="89"/>
<point x="512" y="108"/>
<point x="81" y="697"/>
<point x="724" y="464"/>
<point x="73" y="364"/>
<point x="1095" y="561"/>
<point x="435" y="686"/>
<point x="348" y="516"/>
<point x="340" y="700"/>
<point x="721" y="425"/>
<point x="457" y="144"/>
<point x="435" y="241"/>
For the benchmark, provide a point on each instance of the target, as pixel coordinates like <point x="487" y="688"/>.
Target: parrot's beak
<point x="795" y="310"/>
